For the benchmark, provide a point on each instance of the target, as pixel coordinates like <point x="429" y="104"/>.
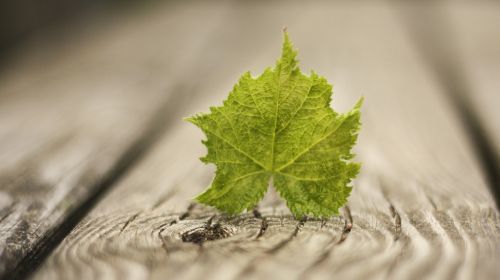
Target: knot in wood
<point x="207" y="233"/>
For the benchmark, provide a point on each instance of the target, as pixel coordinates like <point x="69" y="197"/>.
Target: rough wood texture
<point x="75" y="114"/>
<point x="420" y="208"/>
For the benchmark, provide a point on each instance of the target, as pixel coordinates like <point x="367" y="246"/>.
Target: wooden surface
<point x="458" y="43"/>
<point x="73" y="117"/>
<point x="479" y="47"/>
<point x="421" y="207"/>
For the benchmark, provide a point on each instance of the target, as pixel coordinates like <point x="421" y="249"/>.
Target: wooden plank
<point x="454" y="40"/>
<point x="478" y="44"/>
<point x="475" y="30"/>
<point x="77" y="110"/>
<point x="420" y="208"/>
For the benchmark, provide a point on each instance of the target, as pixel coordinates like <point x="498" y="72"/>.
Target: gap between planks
<point x="20" y="257"/>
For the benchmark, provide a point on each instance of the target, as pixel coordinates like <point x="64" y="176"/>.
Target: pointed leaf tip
<point x="191" y="119"/>
<point x="359" y="103"/>
<point x="287" y="62"/>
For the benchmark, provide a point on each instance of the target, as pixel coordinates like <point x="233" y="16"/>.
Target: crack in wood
<point x="431" y="201"/>
<point x="394" y="212"/>
<point x="163" y="242"/>
<point x="7" y="214"/>
<point x="323" y="223"/>
<point x="264" y="224"/>
<point x="186" y="214"/>
<point x="397" y="221"/>
<point x="347" y="224"/>
<point x="162" y="226"/>
<point x="131" y="219"/>
<point x="257" y="214"/>
<point x="263" y="228"/>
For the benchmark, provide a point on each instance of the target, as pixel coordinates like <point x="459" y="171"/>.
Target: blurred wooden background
<point x="97" y="168"/>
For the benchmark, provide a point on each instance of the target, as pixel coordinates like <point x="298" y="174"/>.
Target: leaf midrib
<point x="276" y="118"/>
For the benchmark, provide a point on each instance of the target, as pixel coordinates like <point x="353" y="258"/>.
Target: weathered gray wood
<point x="74" y="111"/>
<point x="455" y="40"/>
<point x="478" y="44"/>
<point x="420" y="208"/>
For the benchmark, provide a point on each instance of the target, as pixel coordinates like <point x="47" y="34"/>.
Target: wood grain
<point x="76" y="110"/>
<point x="420" y="208"/>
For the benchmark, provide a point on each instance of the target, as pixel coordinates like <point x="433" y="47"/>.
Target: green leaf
<point x="279" y="128"/>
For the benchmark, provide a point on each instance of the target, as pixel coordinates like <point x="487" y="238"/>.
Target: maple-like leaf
<point x="280" y="128"/>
